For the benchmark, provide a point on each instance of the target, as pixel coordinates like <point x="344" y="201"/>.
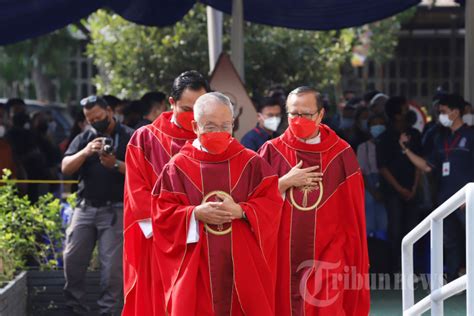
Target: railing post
<point x="470" y="249"/>
<point x="407" y="276"/>
<point x="440" y="292"/>
<point x="436" y="277"/>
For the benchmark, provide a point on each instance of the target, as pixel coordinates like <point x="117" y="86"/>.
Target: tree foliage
<point x="133" y="59"/>
<point x="42" y="60"/>
<point x="292" y="58"/>
<point x="384" y="36"/>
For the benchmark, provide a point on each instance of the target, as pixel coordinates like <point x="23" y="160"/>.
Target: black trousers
<point x="402" y="217"/>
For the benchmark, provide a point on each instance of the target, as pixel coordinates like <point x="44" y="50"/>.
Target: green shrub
<point x="28" y="230"/>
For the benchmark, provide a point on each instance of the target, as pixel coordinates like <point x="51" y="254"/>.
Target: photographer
<point x="97" y="155"/>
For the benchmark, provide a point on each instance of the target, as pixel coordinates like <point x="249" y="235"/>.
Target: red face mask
<point x="184" y="119"/>
<point x="303" y="127"/>
<point x="216" y="142"/>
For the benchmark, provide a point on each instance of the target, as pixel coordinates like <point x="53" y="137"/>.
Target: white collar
<point x="197" y="145"/>
<point x="173" y="120"/>
<point x="311" y="141"/>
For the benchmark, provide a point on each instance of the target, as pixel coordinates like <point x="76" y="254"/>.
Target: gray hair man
<point x="217" y="208"/>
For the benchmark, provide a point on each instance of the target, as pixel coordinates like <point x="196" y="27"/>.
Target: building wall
<point x="422" y="63"/>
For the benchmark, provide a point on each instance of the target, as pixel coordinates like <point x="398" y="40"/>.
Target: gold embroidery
<point x="306" y="190"/>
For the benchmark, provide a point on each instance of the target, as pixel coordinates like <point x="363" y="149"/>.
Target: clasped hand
<point x="217" y="213"/>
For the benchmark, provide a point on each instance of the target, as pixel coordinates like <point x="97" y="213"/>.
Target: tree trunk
<point x="44" y="87"/>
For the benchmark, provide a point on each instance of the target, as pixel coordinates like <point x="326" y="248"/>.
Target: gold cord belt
<point x="220" y="228"/>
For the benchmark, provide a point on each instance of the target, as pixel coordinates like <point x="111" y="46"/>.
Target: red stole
<point x="149" y="149"/>
<point x="322" y="252"/>
<point x="232" y="274"/>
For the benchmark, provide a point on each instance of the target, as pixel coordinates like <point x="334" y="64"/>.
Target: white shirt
<point x="173" y="120"/>
<point x="197" y="144"/>
<point x="311" y="141"/>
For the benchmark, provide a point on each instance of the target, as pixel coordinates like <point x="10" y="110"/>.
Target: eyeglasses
<point x="89" y="100"/>
<point x="305" y="115"/>
<point x="211" y="128"/>
<point x="92" y="101"/>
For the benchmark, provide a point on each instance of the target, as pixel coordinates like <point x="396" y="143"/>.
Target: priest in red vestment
<point x="217" y="210"/>
<point x="322" y="251"/>
<point x="150" y="148"/>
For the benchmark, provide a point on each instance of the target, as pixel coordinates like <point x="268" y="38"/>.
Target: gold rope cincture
<point x="220" y="228"/>
<point x="306" y="190"/>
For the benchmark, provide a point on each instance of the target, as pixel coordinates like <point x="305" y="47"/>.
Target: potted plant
<point x="31" y="235"/>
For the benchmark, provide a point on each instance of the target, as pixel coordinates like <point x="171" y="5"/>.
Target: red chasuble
<point x="322" y="251"/>
<point x="224" y="273"/>
<point x="150" y="148"/>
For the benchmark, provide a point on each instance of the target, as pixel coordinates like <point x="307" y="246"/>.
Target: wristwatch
<point x="117" y="166"/>
<point x="244" y="216"/>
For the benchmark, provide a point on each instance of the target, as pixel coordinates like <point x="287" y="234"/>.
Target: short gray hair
<point x="211" y="97"/>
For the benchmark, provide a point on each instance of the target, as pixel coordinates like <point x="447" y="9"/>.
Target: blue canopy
<point x="24" y="19"/>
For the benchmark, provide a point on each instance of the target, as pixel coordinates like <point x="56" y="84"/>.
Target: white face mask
<point x="445" y="121"/>
<point x="272" y="123"/>
<point x="119" y="118"/>
<point x="3" y="130"/>
<point x="468" y="119"/>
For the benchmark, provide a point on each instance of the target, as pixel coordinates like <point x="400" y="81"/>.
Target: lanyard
<point x="448" y="147"/>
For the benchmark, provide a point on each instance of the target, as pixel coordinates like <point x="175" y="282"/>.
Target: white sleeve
<point x="146" y="227"/>
<point x="193" y="233"/>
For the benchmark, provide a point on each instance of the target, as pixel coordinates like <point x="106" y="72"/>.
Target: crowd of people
<point x="407" y="172"/>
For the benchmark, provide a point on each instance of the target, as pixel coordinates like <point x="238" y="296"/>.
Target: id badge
<point x="446" y="168"/>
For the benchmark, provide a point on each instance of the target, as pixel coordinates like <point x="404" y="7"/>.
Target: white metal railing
<point x="434" y="222"/>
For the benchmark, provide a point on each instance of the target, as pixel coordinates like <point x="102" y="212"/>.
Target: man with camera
<point x="97" y="155"/>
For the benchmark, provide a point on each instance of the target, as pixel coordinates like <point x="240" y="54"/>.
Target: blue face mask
<point x="346" y="123"/>
<point x="377" y="130"/>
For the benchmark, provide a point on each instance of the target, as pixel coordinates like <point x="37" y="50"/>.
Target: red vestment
<point x="322" y="252"/>
<point x="231" y="274"/>
<point x="149" y="149"/>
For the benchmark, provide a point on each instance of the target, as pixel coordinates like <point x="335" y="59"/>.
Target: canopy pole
<point x="237" y="37"/>
<point x="214" y="35"/>
<point x="469" y="52"/>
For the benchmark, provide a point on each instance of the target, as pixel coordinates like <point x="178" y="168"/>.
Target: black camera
<point x="107" y="145"/>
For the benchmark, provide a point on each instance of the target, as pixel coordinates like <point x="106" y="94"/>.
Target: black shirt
<point x="390" y="156"/>
<point x="460" y="156"/>
<point x="256" y="137"/>
<point x="142" y="123"/>
<point x="96" y="182"/>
